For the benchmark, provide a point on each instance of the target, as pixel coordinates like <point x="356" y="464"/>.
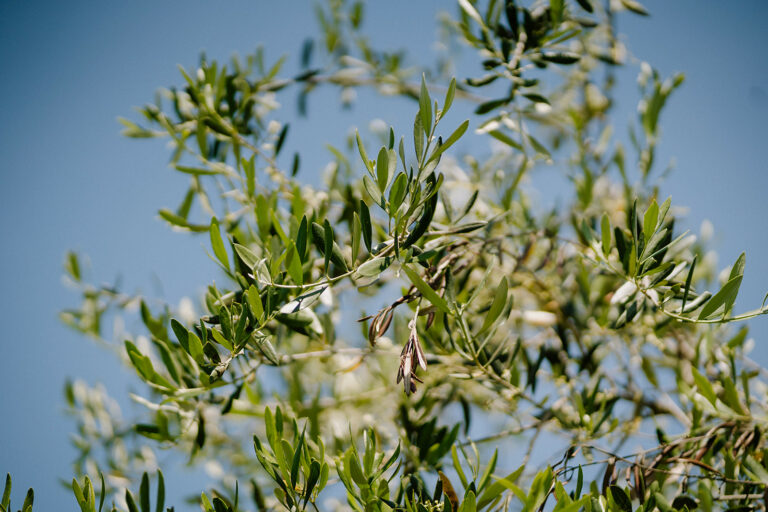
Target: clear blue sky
<point x="69" y="180"/>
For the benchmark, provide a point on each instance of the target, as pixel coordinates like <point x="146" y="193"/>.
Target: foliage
<point x="492" y="328"/>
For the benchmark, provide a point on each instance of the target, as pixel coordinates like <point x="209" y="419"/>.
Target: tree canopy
<point x="413" y="330"/>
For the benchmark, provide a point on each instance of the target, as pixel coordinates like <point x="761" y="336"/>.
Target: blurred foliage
<point x="490" y="328"/>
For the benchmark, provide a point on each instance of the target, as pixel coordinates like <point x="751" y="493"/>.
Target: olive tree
<point x="416" y="332"/>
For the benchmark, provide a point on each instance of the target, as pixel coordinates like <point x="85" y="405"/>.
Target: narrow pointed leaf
<point x="144" y="493"/>
<point x="356" y="234"/>
<point x="449" y="96"/>
<point x="456" y="135"/>
<point x="426" y="291"/>
<point x="160" y="503"/>
<point x="605" y="227"/>
<point x="365" y="221"/>
<point x="497" y="306"/>
<point x="363" y="154"/>
<point x="425" y="107"/>
<point x="303" y="301"/>
<point x="382" y="169"/>
<point x="726" y="296"/>
<point x="218" y="244"/>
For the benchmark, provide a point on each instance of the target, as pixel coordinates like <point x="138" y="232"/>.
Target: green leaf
<point x="688" y="284"/>
<point x="103" y="493"/>
<point x="506" y="139"/>
<point x="254" y="301"/>
<point x="267" y="349"/>
<point x="664" y="209"/>
<point x="363" y="154"/>
<point x="181" y="222"/>
<point x="517" y="491"/>
<point x="726" y="296"/>
<point x="160" y="492"/>
<point x="29" y="500"/>
<point x="382" y="169"/>
<point x="321" y="235"/>
<point x="650" y="220"/>
<point x="303" y="301"/>
<point x="195" y="347"/>
<point x="200" y="436"/>
<point x="263" y="217"/>
<point x="144" y="493"/>
<point x="301" y="238"/>
<point x="561" y="57"/>
<point x="697" y="302"/>
<point x="356" y="234"/>
<point x="183" y="209"/>
<point x="355" y="470"/>
<point x="738" y="267"/>
<point x="373" y="190"/>
<point x="488" y="470"/>
<point x="652" y="248"/>
<point x="327" y="243"/>
<point x="621" y="498"/>
<point x="206" y="503"/>
<point x="736" y="271"/>
<point x="487" y="106"/>
<point x="428" y="213"/>
<point x="222" y="339"/>
<point x="704" y="386"/>
<point x="635" y="6"/>
<point x="538" y="146"/>
<point x="79" y="496"/>
<point x="6" y="501"/>
<point x="556" y="10"/>
<point x="756" y="468"/>
<point x="495" y="489"/>
<point x="418" y="137"/>
<point x="281" y="139"/>
<point x="297" y="459"/>
<point x="425" y="107"/>
<point x="130" y="502"/>
<point x="249" y="258"/>
<point x="468" y="8"/>
<point x="144" y="367"/>
<point x="365" y="220"/>
<point x="457" y="465"/>
<point x="220" y="506"/>
<point x="426" y="291"/>
<point x="373" y="267"/>
<point x="497" y="306"/>
<point x="218" y="244"/>
<point x="181" y="333"/>
<point x="312" y="478"/>
<point x="277" y="227"/>
<point x="575" y="506"/>
<point x="293" y="264"/>
<point x="731" y="395"/>
<point x="536" y="98"/>
<point x="72" y="266"/>
<point x="449" y="96"/>
<point x="456" y="135"/>
<point x="133" y="130"/>
<point x="469" y="504"/>
<point x="197" y="171"/>
<point x="391" y="460"/>
<point x="605" y="227"/>
<point x="397" y="192"/>
<point x="401" y="152"/>
<point x="738" y="338"/>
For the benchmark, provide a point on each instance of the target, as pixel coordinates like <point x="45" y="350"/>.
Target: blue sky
<point x="69" y="180"/>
